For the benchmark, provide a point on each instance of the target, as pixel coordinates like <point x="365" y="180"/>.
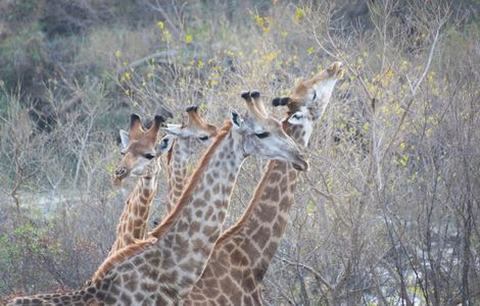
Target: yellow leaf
<point x="259" y="20"/>
<point x="270" y="56"/>
<point x="403" y="161"/>
<point x="161" y="25"/>
<point x="188" y="38"/>
<point x="262" y="22"/>
<point x="389" y="73"/>
<point x="212" y="83"/>
<point x="202" y="107"/>
<point x="387" y="77"/>
<point x="299" y="14"/>
<point x="126" y="76"/>
<point x="230" y="53"/>
<point x="310" y="207"/>
<point x="366" y="127"/>
<point x="110" y="167"/>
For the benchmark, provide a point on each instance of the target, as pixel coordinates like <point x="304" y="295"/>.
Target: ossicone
<point x="134" y="119"/>
<point x="192" y="108"/>
<point x="246" y="95"/>
<point x="280" y="101"/>
<point x="255" y="94"/>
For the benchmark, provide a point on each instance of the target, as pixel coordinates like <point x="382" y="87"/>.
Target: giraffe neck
<point x="198" y="220"/>
<point x="177" y="160"/>
<point x="185" y="238"/>
<point x="268" y="210"/>
<point x="78" y="297"/>
<point x="133" y="220"/>
<point x="243" y="253"/>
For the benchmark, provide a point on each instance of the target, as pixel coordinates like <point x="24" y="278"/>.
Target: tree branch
<point x="317" y="274"/>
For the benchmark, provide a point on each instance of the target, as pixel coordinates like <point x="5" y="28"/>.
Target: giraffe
<point x="141" y="152"/>
<point x="242" y="254"/>
<point x="189" y="138"/>
<point x="163" y="270"/>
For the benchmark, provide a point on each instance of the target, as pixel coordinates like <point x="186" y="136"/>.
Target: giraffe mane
<point x="47" y="298"/>
<point x="119" y="256"/>
<point x="197" y="173"/>
<point x="170" y="153"/>
<point x="157" y="232"/>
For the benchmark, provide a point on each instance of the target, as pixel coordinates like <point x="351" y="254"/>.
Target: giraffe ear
<point x="297" y="118"/>
<point x="237" y="120"/>
<point x="124" y="139"/>
<point x="165" y="145"/>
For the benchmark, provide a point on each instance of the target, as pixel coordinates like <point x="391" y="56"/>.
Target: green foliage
<point x="22" y="56"/>
<point x="21" y="10"/>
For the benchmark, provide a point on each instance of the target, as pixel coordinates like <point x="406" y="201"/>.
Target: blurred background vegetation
<point x="388" y="213"/>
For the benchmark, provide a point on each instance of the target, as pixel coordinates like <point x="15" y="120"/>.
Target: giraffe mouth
<point x="300" y="165"/>
<point x="336" y="70"/>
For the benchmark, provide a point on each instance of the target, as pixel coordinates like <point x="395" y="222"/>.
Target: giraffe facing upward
<point x="162" y="272"/>
<point x="139" y="147"/>
<point x="242" y="254"/>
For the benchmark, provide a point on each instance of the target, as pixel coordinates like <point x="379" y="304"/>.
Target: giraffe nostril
<point x="120" y="172"/>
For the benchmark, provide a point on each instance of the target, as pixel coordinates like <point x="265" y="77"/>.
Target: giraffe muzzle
<point x="121" y="173"/>
<point x="299" y="162"/>
<point x="300" y="165"/>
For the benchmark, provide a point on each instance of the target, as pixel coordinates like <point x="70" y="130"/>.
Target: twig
<point x="165" y="16"/>
<point x="279" y="288"/>
<point x="413" y="91"/>
<point x="317" y="275"/>
<point x="139" y="62"/>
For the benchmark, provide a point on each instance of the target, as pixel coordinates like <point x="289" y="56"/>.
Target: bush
<point x="386" y="215"/>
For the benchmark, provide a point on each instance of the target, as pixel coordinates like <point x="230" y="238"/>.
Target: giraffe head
<point x="312" y="95"/>
<point x="263" y="135"/>
<point x="140" y="148"/>
<point x="195" y="133"/>
<point x="310" y="98"/>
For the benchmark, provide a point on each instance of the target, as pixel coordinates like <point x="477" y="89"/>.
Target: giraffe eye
<point x="148" y="156"/>
<point x="203" y="138"/>
<point x="262" y="135"/>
